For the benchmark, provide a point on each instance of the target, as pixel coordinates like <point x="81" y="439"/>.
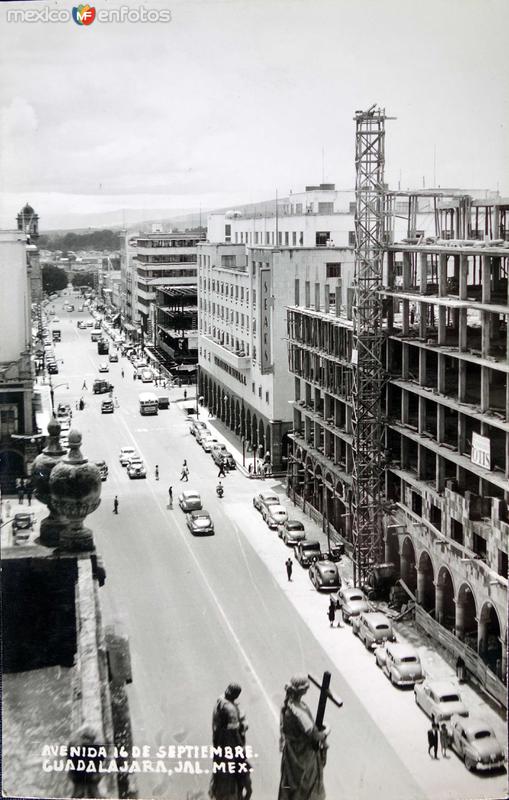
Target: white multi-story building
<point x="243" y="361"/>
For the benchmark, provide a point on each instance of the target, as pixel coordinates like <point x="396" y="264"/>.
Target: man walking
<point x="289" y="568"/>
<point x="170" y="497"/>
<point x="332" y="612"/>
<point x="157" y="472"/>
<point x="122" y="372"/>
<point x="444" y="739"/>
<point x="221" y="473"/>
<point x="84" y="385"/>
<point x="29" y="490"/>
<point x="115" y="505"/>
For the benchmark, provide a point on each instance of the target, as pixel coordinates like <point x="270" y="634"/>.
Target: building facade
<point x="16" y="374"/>
<point x="243" y="362"/>
<point x="177" y="327"/>
<point x="446" y="421"/>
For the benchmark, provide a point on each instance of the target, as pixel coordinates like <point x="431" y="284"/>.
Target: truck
<point x="103" y="347"/>
<point x="56" y="335"/>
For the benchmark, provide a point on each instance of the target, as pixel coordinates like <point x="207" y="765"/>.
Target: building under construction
<point x="401" y="415"/>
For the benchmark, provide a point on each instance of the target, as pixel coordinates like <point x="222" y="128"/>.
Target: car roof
<point x="21" y="514"/>
<point x="190" y="493"/>
<point x="276" y="508"/>
<point x="309" y="543"/>
<point x="200" y="513"/>
<point x="443" y="687"/>
<point x="267" y="495"/>
<point x="127" y="450"/>
<point x="474" y="724"/>
<point x="291" y="523"/>
<point x="375" y="616"/>
<point x="325" y="563"/>
<point x="349" y="590"/>
<point x="401" y="649"/>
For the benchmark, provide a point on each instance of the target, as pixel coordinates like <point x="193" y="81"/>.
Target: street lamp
<point x="52" y="393"/>
<point x="225" y="398"/>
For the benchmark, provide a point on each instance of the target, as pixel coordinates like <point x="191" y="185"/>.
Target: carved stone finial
<point x="43" y="465"/>
<point x="75" y="487"/>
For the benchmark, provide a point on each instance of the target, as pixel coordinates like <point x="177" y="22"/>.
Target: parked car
<point x="63" y="410"/>
<point x="196" y="426"/>
<point x="199" y="522"/>
<point x="351" y="601"/>
<point x="275" y="515"/>
<point x="104" y="367"/>
<point x="373" y="628"/>
<point x="163" y="401"/>
<point x="23" y="521"/>
<point x="440" y="700"/>
<point x="107" y="407"/>
<point x="324" y="575"/>
<point x="190" y="500"/>
<point x="125" y="454"/>
<point x="476" y="743"/>
<point x="265" y="499"/>
<point x="136" y="468"/>
<point x="103" y="469"/>
<point x="207" y="442"/>
<point x="113" y="358"/>
<point x="400" y="662"/>
<point x="292" y="532"/>
<point x="306" y="551"/>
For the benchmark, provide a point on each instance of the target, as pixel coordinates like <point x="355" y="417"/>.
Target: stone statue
<point x="229" y="732"/>
<point x="302" y="746"/>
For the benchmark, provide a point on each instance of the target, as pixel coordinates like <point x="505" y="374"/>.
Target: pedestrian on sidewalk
<point x="460" y="669"/>
<point x="289" y="568"/>
<point x="84" y="386"/>
<point x="122" y="372"/>
<point x="444" y="739"/>
<point x="157" y="472"/>
<point x="332" y="612"/>
<point x="170" y="497"/>
<point x="115" y="505"/>
<point x="21" y="495"/>
<point x="221" y="473"/>
<point x="430" y="740"/>
<point x="434" y="739"/>
<point x="185" y="394"/>
<point x="29" y="492"/>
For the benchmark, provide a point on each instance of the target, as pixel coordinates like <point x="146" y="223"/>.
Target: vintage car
<point x="307" y="551"/>
<point x="440" y="700"/>
<point x="275" y="515"/>
<point x="324" y="575"/>
<point x="200" y="523"/>
<point x="125" y="454"/>
<point x="351" y="601"/>
<point x="107" y="407"/>
<point x="136" y="468"/>
<point x="476" y="743"/>
<point x="400" y="662"/>
<point x="265" y="499"/>
<point x="190" y="500"/>
<point x="373" y="628"/>
<point x="292" y="532"/>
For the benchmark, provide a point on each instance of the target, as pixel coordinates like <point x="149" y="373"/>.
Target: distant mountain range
<point x="142" y="220"/>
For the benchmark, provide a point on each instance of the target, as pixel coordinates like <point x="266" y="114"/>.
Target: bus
<point x="148" y="403"/>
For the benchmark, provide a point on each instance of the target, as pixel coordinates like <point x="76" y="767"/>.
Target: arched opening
<point x="261" y="439"/>
<point x="407" y="567"/>
<point x="318" y="490"/>
<point x="308" y="480"/>
<point x="425" y="582"/>
<point x="444" y="600"/>
<point x="466" y="616"/>
<point x="12" y="466"/>
<point x="489" y="644"/>
<point x="238" y="429"/>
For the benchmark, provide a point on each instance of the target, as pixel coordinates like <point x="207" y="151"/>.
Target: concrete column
<point x="461" y="433"/>
<point x="407" y="271"/>
<point x="422" y="366"/>
<point x="404" y="361"/>
<point x="462" y="381"/>
<point x="440" y="423"/>
<point x="442" y="332"/>
<point x="441" y="374"/>
<point x="459" y="622"/>
<point x="442" y="275"/>
<point x="503" y="665"/>
<point x="482" y="637"/>
<point x="326" y="296"/>
<point x="421" y="418"/>
<point x="485" y="333"/>
<point x="423" y="272"/>
<point x="421" y="586"/>
<point x="27" y="411"/>
<point x="404" y="406"/>
<point x="423" y="311"/>
<point x="485" y="389"/>
<point x="390" y="270"/>
<point x="405" y="318"/>
<point x="439" y="603"/>
<point x="486" y="279"/>
<point x="462" y="330"/>
<point x="463" y="277"/>
<point x="440" y="474"/>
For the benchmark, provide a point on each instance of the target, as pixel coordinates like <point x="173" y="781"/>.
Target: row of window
<point x="168" y="242"/>
<point x="167" y="273"/>
<point x="179" y="258"/>
<point x="286" y="238"/>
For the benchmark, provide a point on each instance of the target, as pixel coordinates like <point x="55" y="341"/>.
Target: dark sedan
<point x="324" y="576"/>
<point x="292" y="532"/>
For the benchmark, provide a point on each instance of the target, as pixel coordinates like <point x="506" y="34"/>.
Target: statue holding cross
<point x="303" y="741"/>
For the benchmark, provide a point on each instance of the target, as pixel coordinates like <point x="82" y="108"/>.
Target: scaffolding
<point x="368" y="338"/>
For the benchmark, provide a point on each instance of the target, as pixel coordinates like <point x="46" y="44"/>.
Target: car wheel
<point x="254" y="504"/>
<point x="469" y="763"/>
<point x="345" y="618"/>
<point x="391" y="678"/>
<point x="366" y="643"/>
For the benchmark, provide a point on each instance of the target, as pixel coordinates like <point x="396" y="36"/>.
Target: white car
<point x="208" y="442"/>
<point x="126" y="453"/>
<point x="275" y="516"/>
<point x="104" y="366"/>
<point x="439" y="700"/>
<point x="400" y="662"/>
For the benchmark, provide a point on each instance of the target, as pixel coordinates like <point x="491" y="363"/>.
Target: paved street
<point x="201" y="612"/>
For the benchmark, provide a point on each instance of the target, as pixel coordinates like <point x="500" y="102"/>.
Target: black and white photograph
<point x="254" y="399"/>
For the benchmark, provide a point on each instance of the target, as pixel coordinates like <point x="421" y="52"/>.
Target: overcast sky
<point x="235" y="98"/>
